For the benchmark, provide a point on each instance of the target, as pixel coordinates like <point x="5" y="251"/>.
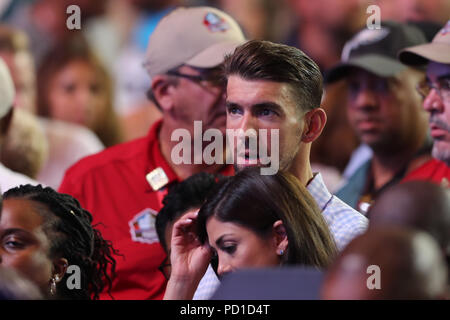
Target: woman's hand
<point x="189" y="258"/>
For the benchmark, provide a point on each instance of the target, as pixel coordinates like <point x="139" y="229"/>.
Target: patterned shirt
<point x="207" y="285"/>
<point x="344" y="222"/>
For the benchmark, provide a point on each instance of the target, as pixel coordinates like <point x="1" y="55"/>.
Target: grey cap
<point x="437" y="50"/>
<point x="196" y="36"/>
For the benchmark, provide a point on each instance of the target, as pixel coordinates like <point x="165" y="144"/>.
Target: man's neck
<point x="301" y="167"/>
<point x="182" y="171"/>
<point x="386" y="165"/>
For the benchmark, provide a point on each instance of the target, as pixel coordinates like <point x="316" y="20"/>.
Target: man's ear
<point x="5" y="122"/>
<point x="280" y="237"/>
<point x="161" y="88"/>
<point x="60" y="266"/>
<point x="315" y="121"/>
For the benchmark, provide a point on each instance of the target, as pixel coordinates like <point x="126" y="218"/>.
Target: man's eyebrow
<point x="230" y="104"/>
<point x="260" y="105"/>
<point x="268" y="104"/>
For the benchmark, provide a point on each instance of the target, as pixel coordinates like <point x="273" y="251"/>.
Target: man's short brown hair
<point x="265" y="60"/>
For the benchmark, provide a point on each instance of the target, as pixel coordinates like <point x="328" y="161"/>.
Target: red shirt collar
<point x="155" y="157"/>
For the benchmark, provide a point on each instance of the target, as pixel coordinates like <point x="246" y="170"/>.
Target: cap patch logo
<point x="215" y="23"/>
<point x="363" y="38"/>
<point x="445" y="29"/>
<point x="142" y="227"/>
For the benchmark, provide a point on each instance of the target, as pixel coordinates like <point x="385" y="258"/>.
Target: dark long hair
<point x="256" y="201"/>
<point x="72" y="236"/>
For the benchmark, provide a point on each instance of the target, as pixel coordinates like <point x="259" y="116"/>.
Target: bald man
<point x="388" y="263"/>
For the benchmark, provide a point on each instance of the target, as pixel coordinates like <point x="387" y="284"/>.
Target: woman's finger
<point x="181" y="226"/>
<point x="190" y="215"/>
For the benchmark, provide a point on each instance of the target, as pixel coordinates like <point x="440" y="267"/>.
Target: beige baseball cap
<point x="196" y="36"/>
<point x="437" y="50"/>
<point x="7" y="92"/>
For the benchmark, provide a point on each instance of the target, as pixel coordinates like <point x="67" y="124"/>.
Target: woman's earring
<point x="53" y="285"/>
<point x="280" y="253"/>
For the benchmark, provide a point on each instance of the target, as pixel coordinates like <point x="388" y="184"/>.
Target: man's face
<point x="260" y="104"/>
<point x="384" y="112"/>
<point x="196" y="100"/>
<point x="438" y="106"/>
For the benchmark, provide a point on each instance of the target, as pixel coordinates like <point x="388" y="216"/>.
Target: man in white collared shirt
<point x="279" y="88"/>
<point x="274" y="86"/>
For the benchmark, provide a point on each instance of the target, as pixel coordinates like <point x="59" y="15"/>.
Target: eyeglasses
<point x="212" y="76"/>
<point x="442" y="88"/>
<point x="165" y="267"/>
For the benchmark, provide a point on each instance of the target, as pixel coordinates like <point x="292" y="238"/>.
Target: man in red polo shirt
<point x="435" y="90"/>
<point x="123" y="186"/>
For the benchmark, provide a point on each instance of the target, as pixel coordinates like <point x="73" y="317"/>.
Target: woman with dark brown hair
<point x="250" y="220"/>
<point x="73" y="86"/>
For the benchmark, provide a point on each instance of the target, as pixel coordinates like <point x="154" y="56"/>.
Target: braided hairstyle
<point x="72" y="236"/>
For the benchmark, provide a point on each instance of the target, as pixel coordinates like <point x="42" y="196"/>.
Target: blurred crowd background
<point x="93" y="77"/>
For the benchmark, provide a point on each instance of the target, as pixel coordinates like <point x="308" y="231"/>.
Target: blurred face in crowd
<point x="415" y="10"/>
<point x="424" y="10"/>
<point x="239" y="247"/>
<point x="76" y="94"/>
<point x="331" y="13"/>
<point x="261" y="104"/>
<point x="437" y="104"/>
<point x="23" y="74"/>
<point x="385" y="112"/>
<point x="252" y="15"/>
<point x="199" y="95"/>
<point x="25" y="246"/>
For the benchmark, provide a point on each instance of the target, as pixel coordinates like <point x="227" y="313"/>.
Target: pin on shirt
<point x="157" y="178"/>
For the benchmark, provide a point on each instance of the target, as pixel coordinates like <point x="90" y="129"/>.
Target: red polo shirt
<point x="112" y="185"/>
<point x="433" y="170"/>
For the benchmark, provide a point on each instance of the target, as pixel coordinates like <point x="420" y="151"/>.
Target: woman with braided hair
<point x="42" y="232"/>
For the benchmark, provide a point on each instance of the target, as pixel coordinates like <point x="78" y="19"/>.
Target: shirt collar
<point x="155" y="156"/>
<point x="319" y="191"/>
